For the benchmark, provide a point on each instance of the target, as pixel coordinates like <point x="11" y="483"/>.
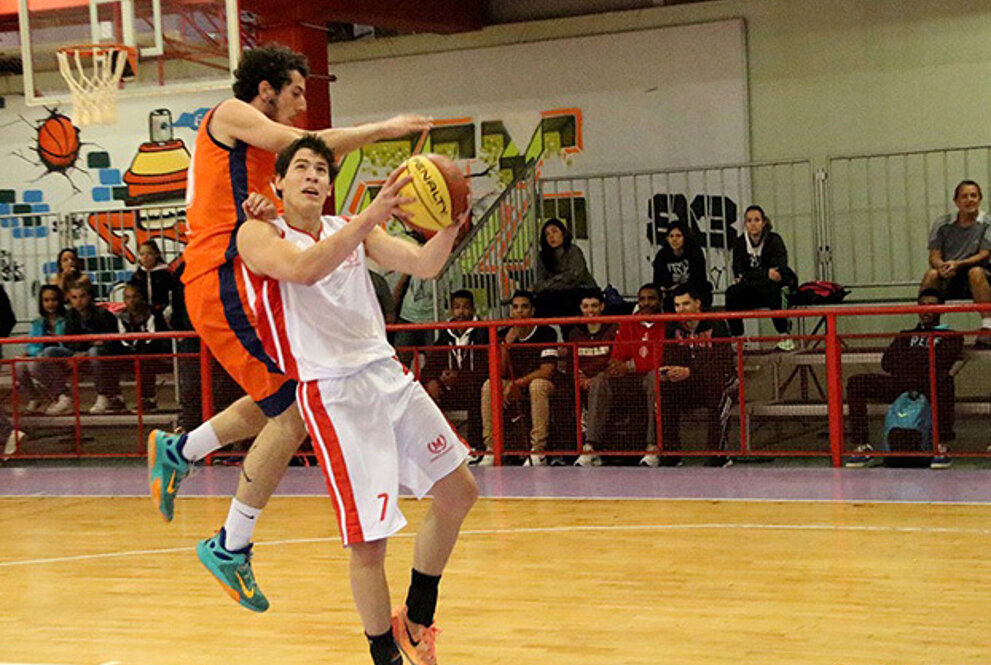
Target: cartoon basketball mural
<point x="58" y="142"/>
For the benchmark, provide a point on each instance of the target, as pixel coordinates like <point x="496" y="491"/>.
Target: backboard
<point x="182" y="45"/>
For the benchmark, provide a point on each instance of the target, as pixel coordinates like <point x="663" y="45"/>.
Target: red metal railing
<point x="832" y="345"/>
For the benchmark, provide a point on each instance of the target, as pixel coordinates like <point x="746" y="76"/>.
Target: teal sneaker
<point x="166" y="469"/>
<point x="233" y="571"/>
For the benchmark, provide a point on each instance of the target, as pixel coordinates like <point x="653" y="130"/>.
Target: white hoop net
<point x="93" y="73"/>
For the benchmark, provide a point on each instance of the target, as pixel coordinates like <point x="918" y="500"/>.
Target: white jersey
<point x="331" y="329"/>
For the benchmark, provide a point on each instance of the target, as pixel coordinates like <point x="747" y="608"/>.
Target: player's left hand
<point x="405" y="124"/>
<point x="260" y="207"/>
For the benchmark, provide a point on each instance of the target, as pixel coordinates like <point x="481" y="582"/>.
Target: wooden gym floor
<point x="685" y="566"/>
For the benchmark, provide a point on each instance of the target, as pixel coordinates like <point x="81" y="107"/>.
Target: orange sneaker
<point x="420" y="651"/>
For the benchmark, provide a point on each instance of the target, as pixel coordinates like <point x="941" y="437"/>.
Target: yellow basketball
<point x="439" y="188"/>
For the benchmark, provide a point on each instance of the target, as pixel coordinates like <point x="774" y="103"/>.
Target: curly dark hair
<point x="269" y="62"/>
<point x="312" y="142"/>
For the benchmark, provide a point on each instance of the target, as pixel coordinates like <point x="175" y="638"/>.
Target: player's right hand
<point x="257" y="206"/>
<point x="388" y="203"/>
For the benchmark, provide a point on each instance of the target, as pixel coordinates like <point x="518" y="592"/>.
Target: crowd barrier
<point x="780" y="404"/>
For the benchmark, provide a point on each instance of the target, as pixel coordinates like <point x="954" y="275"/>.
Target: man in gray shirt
<point x="959" y="253"/>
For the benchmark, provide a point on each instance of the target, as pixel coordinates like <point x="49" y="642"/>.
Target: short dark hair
<point x="653" y="287"/>
<point x="269" y="62"/>
<point x="310" y="142"/>
<point x="523" y="293"/>
<point x="682" y="289"/>
<point x="967" y="183"/>
<point x="592" y="293"/>
<point x="931" y="293"/>
<point x="58" y="296"/>
<point x="464" y="294"/>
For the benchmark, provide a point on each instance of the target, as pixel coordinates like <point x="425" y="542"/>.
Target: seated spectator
<point x="698" y="371"/>
<point x="44" y="380"/>
<point x="527" y="371"/>
<point x="154" y="277"/>
<point x="760" y="267"/>
<point x="414" y="298"/>
<point x="960" y="254"/>
<point x="454" y="377"/>
<point x="593" y="342"/>
<point x="906" y="366"/>
<point x="138" y="317"/>
<point x="633" y="362"/>
<point x="70" y="272"/>
<point x="85" y="318"/>
<point x="562" y="274"/>
<point x="679" y="261"/>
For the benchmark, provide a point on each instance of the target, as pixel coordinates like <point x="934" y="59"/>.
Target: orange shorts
<point x="216" y="304"/>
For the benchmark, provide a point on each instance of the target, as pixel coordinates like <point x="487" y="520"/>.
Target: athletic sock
<point x="384" y="649"/>
<point x="240" y="525"/>
<point x="421" y="599"/>
<point x="986" y="321"/>
<point x="200" y="442"/>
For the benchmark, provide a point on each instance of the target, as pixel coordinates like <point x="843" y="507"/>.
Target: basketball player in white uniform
<point x="373" y="427"/>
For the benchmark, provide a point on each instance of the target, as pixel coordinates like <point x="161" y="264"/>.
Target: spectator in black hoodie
<point x="154" y="278"/>
<point x="906" y="366"/>
<point x="85" y="318"/>
<point x="760" y="266"/>
<point x="7" y="318"/>
<point x="454" y="377"/>
<point x="680" y="261"/>
<point x="138" y="317"/>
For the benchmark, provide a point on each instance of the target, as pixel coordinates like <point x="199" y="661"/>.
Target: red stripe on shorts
<point x="332" y="461"/>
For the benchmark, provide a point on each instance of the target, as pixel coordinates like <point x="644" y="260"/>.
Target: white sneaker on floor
<point x="588" y="457"/>
<point x="32" y="406"/>
<point x="100" y="405"/>
<point x="59" y="407"/>
<point x="488" y="459"/>
<point x="651" y="460"/>
<point x="535" y="460"/>
<point x="787" y="344"/>
<point x="16" y="437"/>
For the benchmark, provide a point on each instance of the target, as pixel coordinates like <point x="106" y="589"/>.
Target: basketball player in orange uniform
<point x="234" y="156"/>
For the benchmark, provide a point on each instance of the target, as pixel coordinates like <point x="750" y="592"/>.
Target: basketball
<point x="440" y="190"/>
<point x="58" y="142"/>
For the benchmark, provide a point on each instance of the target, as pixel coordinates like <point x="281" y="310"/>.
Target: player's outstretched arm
<point x="235" y="120"/>
<point x="423" y="261"/>
<point x="345" y="139"/>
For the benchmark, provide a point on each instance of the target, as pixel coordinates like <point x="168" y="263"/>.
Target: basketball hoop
<point x="93" y="72"/>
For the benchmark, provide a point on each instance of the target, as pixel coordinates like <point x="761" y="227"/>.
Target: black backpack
<point x="818" y="293"/>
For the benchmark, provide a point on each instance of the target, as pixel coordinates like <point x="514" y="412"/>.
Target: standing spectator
<point x="7" y="318"/>
<point x="906" y="366"/>
<point x="454" y="378"/>
<point x="154" y="277"/>
<point x="593" y="345"/>
<point x="960" y="253"/>
<point x="414" y="298"/>
<point x="760" y="267"/>
<point x="138" y="317"/>
<point x="698" y="371"/>
<point x="528" y="362"/>
<point x="85" y="318"/>
<point x="679" y="261"/>
<point x="562" y="274"/>
<point x="44" y="380"/>
<point x="634" y="359"/>
<point x="70" y="272"/>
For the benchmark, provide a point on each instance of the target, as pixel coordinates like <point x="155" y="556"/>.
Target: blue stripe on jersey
<point x="237" y="319"/>
<point x="237" y="162"/>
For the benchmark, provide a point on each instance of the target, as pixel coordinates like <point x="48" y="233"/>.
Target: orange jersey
<point x="220" y="179"/>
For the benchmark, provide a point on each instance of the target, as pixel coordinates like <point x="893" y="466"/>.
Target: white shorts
<point x="373" y="431"/>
